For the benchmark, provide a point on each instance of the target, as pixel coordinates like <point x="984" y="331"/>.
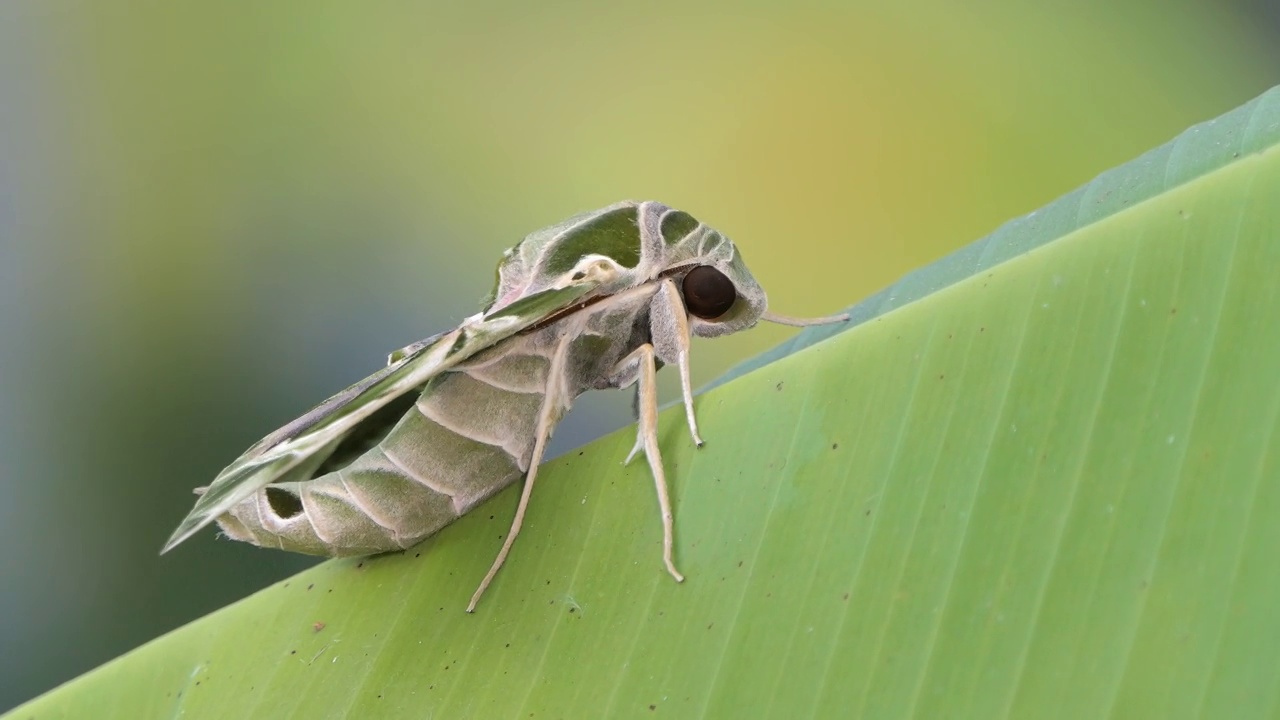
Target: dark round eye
<point x="708" y="293"/>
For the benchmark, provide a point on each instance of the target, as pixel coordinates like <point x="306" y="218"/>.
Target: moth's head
<point x="720" y="294"/>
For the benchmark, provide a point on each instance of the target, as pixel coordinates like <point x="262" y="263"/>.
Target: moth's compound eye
<point x="708" y="293"/>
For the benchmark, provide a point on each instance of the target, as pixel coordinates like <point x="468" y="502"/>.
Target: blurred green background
<point x="212" y="217"/>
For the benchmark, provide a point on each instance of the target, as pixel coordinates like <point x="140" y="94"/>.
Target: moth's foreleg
<point x="669" y="327"/>
<point x="647" y="437"/>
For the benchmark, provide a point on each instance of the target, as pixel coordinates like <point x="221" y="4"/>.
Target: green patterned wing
<point x="297" y="449"/>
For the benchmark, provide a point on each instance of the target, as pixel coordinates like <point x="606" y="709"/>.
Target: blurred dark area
<point x="213" y="218"/>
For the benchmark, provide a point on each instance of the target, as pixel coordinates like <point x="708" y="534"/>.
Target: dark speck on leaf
<point x="835" y="445"/>
<point x="360" y="564"/>
<point x="653" y="707"/>
<point x="417" y="554"/>
<point x="311" y="586"/>
<point x="779" y="386"/>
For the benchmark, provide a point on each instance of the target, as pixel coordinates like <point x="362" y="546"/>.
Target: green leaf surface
<point x="1040" y="478"/>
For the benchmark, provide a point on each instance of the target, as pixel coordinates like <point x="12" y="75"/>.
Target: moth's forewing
<point x="305" y="442"/>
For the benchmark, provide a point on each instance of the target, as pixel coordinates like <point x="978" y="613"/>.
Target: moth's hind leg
<point x="647" y="437"/>
<point x="554" y="404"/>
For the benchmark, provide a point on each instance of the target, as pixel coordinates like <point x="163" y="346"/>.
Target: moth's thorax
<point x="599" y="337"/>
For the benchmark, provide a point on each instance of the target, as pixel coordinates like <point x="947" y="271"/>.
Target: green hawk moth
<point x="600" y="300"/>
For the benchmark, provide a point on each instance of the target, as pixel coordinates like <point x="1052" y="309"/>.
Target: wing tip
<point x="184" y="531"/>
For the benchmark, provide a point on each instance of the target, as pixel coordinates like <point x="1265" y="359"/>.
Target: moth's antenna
<point x="803" y="322"/>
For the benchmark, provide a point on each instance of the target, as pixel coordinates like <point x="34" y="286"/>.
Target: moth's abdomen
<point x="469" y="435"/>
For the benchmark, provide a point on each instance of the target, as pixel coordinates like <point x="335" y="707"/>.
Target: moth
<point x="600" y="300"/>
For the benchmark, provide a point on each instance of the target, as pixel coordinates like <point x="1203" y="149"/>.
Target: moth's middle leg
<point x="647" y="437"/>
